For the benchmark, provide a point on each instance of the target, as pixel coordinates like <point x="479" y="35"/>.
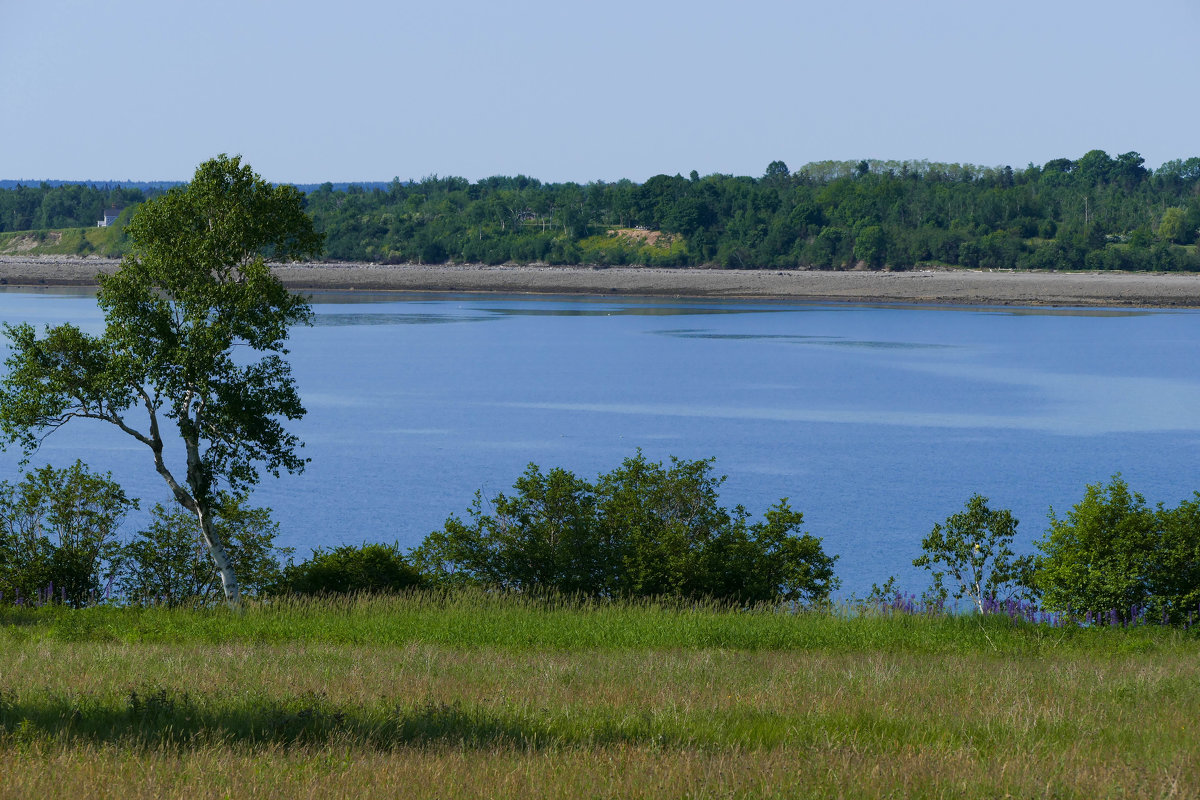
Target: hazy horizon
<point x="383" y="182"/>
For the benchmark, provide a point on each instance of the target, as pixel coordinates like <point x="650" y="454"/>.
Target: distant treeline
<point x="162" y="186"/>
<point x="105" y="185"/>
<point x="66" y="205"/>
<point x="51" y="205"/>
<point x="1097" y="212"/>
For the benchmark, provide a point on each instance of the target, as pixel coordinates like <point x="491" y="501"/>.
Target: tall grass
<point x="478" y="619"/>
<point x="487" y="696"/>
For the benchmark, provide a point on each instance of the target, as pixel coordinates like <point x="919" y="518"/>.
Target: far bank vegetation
<point x="1096" y="212"/>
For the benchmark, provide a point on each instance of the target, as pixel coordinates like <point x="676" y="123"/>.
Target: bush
<point x="642" y="530"/>
<point x="58" y="531"/>
<point x="374" y="568"/>
<point x="1112" y="553"/>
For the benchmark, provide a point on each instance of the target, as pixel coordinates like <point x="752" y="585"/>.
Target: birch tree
<point x="193" y="340"/>
<point x="973" y="549"/>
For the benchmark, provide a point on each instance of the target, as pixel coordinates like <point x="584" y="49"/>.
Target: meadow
<point x="473" y="695"/>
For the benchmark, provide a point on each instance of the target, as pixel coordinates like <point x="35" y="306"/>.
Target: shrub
<point x="1112" y="553"/>
<point x="375" y="568"/>
<point x="58" y="530"/>
<point x="642" y="530"/>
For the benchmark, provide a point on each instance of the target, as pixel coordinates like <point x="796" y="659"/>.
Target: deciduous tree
<point x="972" y="551"/>
<point x="168" y="562"/>
<point x="194" y="337"/>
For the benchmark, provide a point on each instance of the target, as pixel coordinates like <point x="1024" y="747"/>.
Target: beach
<point x="920" y="286"/>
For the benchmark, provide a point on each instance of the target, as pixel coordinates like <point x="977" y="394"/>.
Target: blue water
<point x="876" y="421"/>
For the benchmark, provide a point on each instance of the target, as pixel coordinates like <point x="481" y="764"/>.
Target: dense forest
<point x="1097" y="212"/>
<point x="65" y="205"/>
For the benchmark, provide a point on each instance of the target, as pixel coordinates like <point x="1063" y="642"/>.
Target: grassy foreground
<point x="473" y="696"/>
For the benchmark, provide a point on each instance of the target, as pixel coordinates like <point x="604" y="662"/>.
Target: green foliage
<point x="767" y="560"/>
<point x="1113" y="553"/>
<point x="829" y="215"/>
<point x="42" y="207"/>
<point x="642" y="530"/>
<point x="871" y="246"/>
<point x="196" y="286"/>
<point x="973" y="550"/>
<point x="1173" y="573"/>
<point x="1094" y="559"/>
<point x="58" y="532"/>
<point x="1067" y="214"/>
<point x="371" y="568"/>
<point x="1173" y="227"/>
<point x="169" y="564"/>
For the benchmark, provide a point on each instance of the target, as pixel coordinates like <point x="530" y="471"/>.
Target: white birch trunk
<point x="195" y="501"/>
<point x="216" y="550"/>
<point x="198" y="482"/>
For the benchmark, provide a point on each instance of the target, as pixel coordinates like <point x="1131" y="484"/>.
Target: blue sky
<point x="311" y="91"/>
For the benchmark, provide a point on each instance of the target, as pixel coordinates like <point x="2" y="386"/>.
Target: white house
<point x="110" y="216"/>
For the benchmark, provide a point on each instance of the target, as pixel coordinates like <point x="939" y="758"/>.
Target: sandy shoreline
<point x="951" y="287"/>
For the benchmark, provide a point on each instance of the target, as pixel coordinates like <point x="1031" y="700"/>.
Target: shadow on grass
<point x="159" y="718"/>
<point x="19" y="618"/>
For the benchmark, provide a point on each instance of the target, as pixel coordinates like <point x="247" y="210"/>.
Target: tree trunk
<point x="195" y="502"/>
<point x="216" y="551"/>
<point x="198" y="482"/>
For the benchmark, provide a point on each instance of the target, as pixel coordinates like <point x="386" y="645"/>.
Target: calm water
<point x="877" y="422"/>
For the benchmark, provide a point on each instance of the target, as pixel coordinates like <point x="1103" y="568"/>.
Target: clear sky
<point x="364" y="90"/>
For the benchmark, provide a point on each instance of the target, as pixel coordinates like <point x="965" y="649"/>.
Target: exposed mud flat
<point x="951" y="287"/>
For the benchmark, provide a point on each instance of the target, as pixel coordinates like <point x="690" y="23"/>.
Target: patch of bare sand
<point x="951" y="287"/>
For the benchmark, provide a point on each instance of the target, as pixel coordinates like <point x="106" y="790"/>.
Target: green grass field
<point x="477" y="696"/>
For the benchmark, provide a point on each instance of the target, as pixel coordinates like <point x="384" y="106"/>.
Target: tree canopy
<point x="1093" y="212"/>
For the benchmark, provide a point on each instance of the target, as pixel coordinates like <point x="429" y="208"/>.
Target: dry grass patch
<point x="309" y="720"/>
<point x="339" y="771"/>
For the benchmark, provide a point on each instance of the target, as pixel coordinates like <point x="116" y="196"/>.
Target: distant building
<point x="110" y="217"/>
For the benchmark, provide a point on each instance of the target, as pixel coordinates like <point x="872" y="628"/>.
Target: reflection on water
<point x="477" y="308"/>
<point x="1122" y="413"/>
<point x="624" y="311"/>
<point x="49" y="291"/>
<point x="798" y="338"/>
<point x="701" y="333"/>
<point x="322" y="320"/>
<point x="1081" y="312"/>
